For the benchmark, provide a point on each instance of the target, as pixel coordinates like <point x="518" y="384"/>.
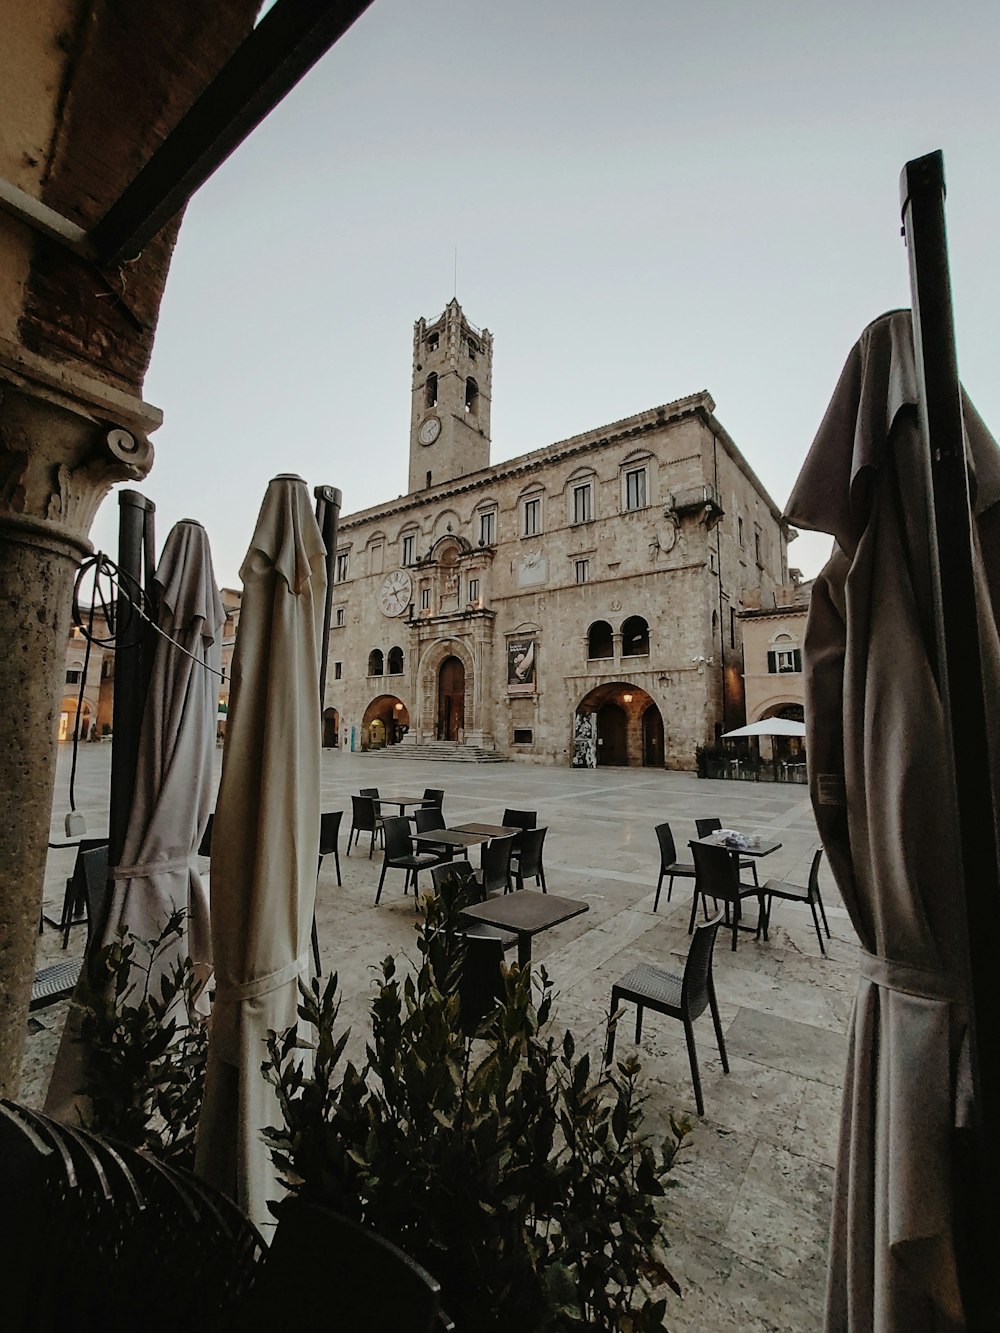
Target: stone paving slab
<point x="748" y="1211"/>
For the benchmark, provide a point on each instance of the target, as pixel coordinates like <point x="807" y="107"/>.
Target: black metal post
<point x="135" y="526"/>
<point x="922" y="191"/>
<point x="328" y="502"/>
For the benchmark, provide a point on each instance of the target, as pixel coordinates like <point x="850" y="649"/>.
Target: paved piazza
<point x="747" y="1221"/>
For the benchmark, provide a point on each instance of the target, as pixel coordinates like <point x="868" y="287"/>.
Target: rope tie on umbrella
<point x="154" y="868"/>
<point x="233" y="992"/>
<point x="925" y="983"/>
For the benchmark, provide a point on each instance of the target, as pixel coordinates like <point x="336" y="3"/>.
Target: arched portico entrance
<point x="331" y="728"/>
<point x="621" y="726"/>
<point x="451" y="699"/>
<point x="386" y="721"/>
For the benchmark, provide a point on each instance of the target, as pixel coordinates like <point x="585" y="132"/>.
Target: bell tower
<point x="450" y="403"/>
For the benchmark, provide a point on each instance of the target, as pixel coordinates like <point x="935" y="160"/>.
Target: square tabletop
<point x="490" y="830"/>
<point x="450" y="837"/>
<point x="526" y="912"/>
<point x="401" y="801"/>
<point x="763" y="848"/>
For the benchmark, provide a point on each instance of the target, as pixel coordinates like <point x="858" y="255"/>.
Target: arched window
<point x="635" y="637"/>
<point x="431" y="392"/>
<point x="600" y="640"/>
<point x="395" y="661"/>
<point x="375" y="662"/>
<point x="432" y="342"/>
<point x="471" y="395"/>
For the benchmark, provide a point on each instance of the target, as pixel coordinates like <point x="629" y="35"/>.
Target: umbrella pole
<point x="135" y="536"/>
<point x="328" y="502"/>
<point x="922" y="192"/>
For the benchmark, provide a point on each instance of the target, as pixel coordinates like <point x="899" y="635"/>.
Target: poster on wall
<point x="585" y="740"/>
<point x="521" y="666"/>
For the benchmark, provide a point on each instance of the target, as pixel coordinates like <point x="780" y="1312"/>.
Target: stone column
<point x="64" y="441"/>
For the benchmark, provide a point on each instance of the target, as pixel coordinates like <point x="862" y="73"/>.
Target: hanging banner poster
<point x="521" y="666"/>
<point x="585" y="740"/>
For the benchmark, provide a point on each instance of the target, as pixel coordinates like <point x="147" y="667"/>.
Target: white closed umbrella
<point x="265" y="839"/>
<point x="158" y="871"/>
<point x="880" y="788"/>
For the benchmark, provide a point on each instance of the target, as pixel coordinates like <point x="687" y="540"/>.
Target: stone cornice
<point x="72" y="390"/>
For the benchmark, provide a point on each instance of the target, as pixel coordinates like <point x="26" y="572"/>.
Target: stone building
<point x="577" y="604"/>
<point x="774" y="627"/>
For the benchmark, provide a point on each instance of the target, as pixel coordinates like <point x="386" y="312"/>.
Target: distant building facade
<point x="578" y="604"/>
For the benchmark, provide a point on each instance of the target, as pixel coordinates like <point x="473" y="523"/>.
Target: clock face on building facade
<point x="395" y="593"/>
<point x="429" y="431"/>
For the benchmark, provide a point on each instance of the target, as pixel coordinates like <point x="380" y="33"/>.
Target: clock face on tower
<point x="429" y="430"/>
<point x="395" y="593"/>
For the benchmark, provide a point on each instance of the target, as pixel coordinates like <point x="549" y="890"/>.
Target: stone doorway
<point x="652" y="738"/>
<point x="331" y="728"/>
<point x="451" y="699"/>
<point x="612" y="735"/>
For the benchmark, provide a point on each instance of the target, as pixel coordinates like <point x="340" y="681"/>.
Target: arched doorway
<point x="385" y="722"/>
<point x="618" y="724"/>
<point x="612" y="735"/>
<point x="451" y="699"/>
<point x="652" y="738"/>
<point x="331" y="728"/>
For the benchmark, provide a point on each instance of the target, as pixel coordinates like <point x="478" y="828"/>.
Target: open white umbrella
<point x="158" y="872"/>
<point x="770" y="726"/>
<point x="265" y="838"/>
<point x="880" y="787"/>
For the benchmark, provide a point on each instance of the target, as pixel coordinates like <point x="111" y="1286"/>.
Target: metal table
<point x="526" y="912"/>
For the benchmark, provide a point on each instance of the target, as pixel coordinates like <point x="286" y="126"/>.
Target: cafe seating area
<point x="749" y="1216"/>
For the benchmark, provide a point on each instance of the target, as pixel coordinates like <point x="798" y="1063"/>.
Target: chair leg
<point x="822" y="909"/>
<point x="753" y="871"/>
<point x="638" y="1023"/>
<point x="720" y="1039"/>
<point x="659" y="885"/>
<point x="352" y="834"/>
<point x="736" y="922"/>
<point x="819" y="933"/>
<point x="609" y="1045"/>
<point x="694" y="909"/>
<point x="693" y="1057"/>
<point x="762" y="917"/>
<point x="371" y="845"/>
<point x="315" y="944"/>
<point x="541" y="876"/>
<point x="378" y="893"/>
<point x="336" y="862"/>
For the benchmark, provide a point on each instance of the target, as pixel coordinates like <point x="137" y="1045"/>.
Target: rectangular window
<point x="473" y="590"/>
<point x="635" y="488"/>
<point x="375" y="558"/>
<point x="524" y="736"/>
<point x="582" y="504"/>
<point x="340" y="574"/>
<point x="338" y="670"/>
<point x="582" y="569"/>
<point x="732" y="627"/>
<point x="425" y="599"/>
<point x="488" y="528"/>
<point x="532" y="517"/>
<point x="409" y="548"/>
<point x="338" y="617"/>
<point x="756" y="544"/>
<point x="784" y="659"/>
<point x="739" y="523"/>
<point x="73" y="676"/>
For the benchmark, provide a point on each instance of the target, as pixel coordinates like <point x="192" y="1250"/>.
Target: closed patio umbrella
<point x="172" y="799"/>
<point x="880" y="783"/>
<point x="265" y="838"/>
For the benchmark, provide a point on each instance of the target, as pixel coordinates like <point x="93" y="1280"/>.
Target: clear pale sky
<point x="648" y="199"/>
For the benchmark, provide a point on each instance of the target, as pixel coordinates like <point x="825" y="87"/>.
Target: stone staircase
<point x="443" y="751"/>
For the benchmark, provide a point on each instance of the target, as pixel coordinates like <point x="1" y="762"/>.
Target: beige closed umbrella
<point x="265" y="839"/>
<point x="172" y="799"/>
<point x="879" y="783"/>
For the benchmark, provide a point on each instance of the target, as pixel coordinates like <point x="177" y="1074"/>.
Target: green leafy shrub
<point x="527" y="1190"/>
<point x="145" y="1058"/>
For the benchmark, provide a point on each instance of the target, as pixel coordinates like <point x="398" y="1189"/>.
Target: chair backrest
<point x="369" y="791"/>
<point x="329" y="829"/>
<point x="716" y="872"/>
<point x="496" y="864"/>
<point x="697" y="984"/>
<point x="317" y="1256"/>
<point x="205" y="846"/>
<point x="363" y="813"/>
<point x="398" y="841"/>
<point x="452" y="875"/>
<point x="668" y="852"/>
<point x="814" y="871"/>
<point x="519" y="818"/>
<point x="95" y="874"/>
<point x="529" y="845"/>
<point x="428" y="818"/>
<point x="481" y="983"/>
<point x="434" y="796"/>
<point x="707" y="826"/>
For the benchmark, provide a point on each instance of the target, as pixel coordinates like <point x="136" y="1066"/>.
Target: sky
<point x="647" y="199"/>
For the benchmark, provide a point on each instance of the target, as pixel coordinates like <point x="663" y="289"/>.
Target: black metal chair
<point x="480" y="984"/>
<point x="399" y="855"/>
<point x="519" y="819"/>
<point x="427" y="819"/>
<point x="717" y="875"/>
<point x="526" y="861"/>
<point x="705" y="827"/>
<point x="364" y="819"/>
<point x="801" y="893"/>
<point x="493" y="876"/>
<point x="74" y="908"/>
<point x="669" y="864"/>
<point x="433" y="796"/>
<point x="58" y="980"/>
<point x="683" y="997"/>
<point x="329" y="831"/>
